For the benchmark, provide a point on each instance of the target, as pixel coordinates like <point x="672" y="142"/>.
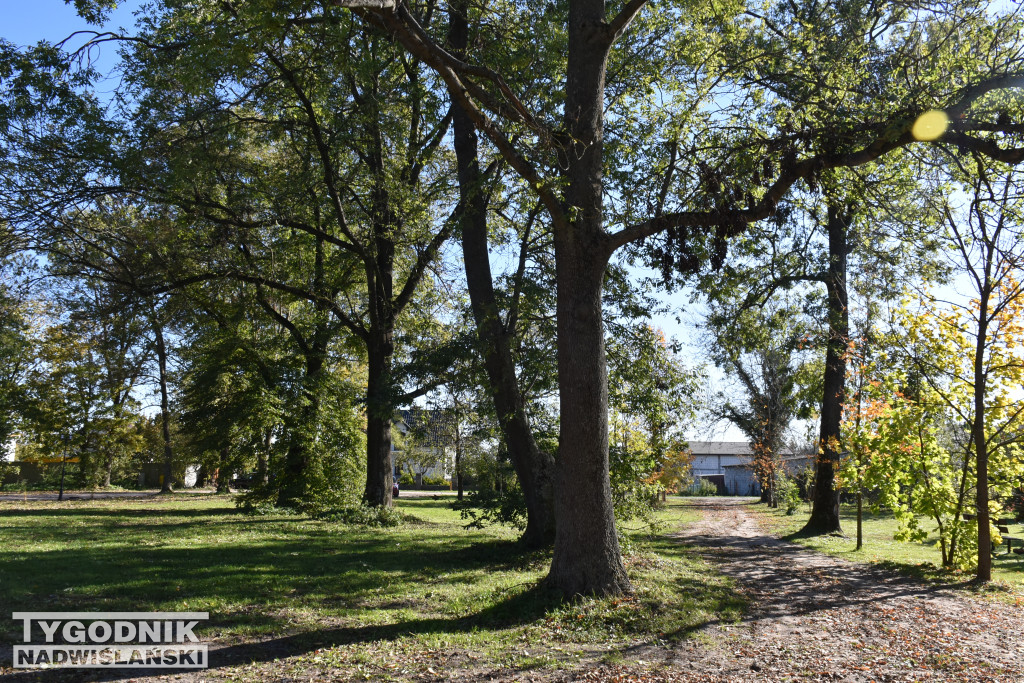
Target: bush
<point x="488" y="505"/>
<point x="436" y="481"/>
<point x="787" y="493"/>
<point x="260" y="502"/>
<point x="361" y="515"/>
<point x="701" y="487"/>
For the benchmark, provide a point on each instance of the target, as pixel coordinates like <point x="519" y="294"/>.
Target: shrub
<point x="436" y="481"/>
<point x="701" y="487"/>
<point x="787" y="493"/>
<point x="361" y="515"/>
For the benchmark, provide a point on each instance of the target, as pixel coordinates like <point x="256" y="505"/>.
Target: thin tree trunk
<point x="224" y="472"/>
<point x="165" y="412"/>
<point x="825" y="512"/>
<point x="534" y="467"/>
<point x="263" y="458"/>
<point x="294" y="484"/>
<point x="981" y="442"/>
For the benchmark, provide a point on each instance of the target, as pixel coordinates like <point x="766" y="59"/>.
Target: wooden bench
<point x="1010" y="540"/>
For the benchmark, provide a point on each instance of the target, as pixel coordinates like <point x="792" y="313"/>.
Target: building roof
<point x="429" y="428"/>
<point x="728" y="448"/>
<point x="720" y="448"/>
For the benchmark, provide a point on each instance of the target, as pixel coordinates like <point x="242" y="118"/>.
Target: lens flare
<point x="930" y="125"/>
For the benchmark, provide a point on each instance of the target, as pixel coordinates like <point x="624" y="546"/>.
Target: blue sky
<point x="26" y="23"/>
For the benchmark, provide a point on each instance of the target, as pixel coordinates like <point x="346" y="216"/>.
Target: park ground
<point x="719" y="596"/>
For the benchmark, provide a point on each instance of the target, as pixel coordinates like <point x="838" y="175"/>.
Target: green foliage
<point x="651" y="396"/>
<point x="787" y="493"/>
<point x="490" y="505"/>
<point x="361" y="515"/>
<point x="702" y="487"/>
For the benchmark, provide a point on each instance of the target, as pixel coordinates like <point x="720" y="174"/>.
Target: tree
<point x="586" y="558"/>
<point x="534" y="467"/>
<point x="762" y="349"/>
<point x="973" y="358"/>
<point x="82" y="405"/>
<point x="652" y="396"/>
<point x="16" y="349"/>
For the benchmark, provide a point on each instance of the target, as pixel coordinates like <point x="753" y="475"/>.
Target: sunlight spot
<point x="930" y="125"/>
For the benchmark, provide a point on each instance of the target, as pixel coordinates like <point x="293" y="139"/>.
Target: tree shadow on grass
<point x="522" y="608"/>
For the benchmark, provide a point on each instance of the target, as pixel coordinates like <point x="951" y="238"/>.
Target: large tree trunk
<point x="825" y="512"/>
<point x="533" y="466"/>
<point x="165" y="411"/>
<point x="587" y="558"/>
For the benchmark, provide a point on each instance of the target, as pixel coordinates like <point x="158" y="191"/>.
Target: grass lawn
<point x="923" y="559"/>
<point x="329" y="595"/>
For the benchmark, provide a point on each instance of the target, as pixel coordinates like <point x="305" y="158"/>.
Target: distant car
<point x="394" y="490"/>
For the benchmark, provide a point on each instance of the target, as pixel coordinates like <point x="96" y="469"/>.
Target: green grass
<point x="922" y="559"/>
<point x="343" y="595"/>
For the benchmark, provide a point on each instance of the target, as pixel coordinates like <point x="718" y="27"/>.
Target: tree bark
<point x="294" y="483"/>
<point x="825" y="512"/>
<point x="379" y="411"/>
<point x="165" y="412"/>
<point x="984" y="573"/>
<point x="587" y="558"/>
<point x="223" y="472"/>
<point x="263" y="458"/>
<point x="533" y="467"/>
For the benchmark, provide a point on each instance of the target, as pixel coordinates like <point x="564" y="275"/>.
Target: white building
<point x="426" y="444"/>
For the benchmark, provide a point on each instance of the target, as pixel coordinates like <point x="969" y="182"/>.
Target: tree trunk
<point x="533" y="467"/>
<point x="825" y="513"/>
<point x="263" y="459"/>
<point x="458" y="460"/>
<point x="294" y="484"/>
<point x="984" y="574"/>
<point x="587" y="558"/>
<point x="165" y="412"/>
<point x="224" y="472"/>
<point x="379" y="413"/>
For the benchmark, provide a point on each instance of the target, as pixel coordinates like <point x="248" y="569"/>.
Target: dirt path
<point x="816" y="617"/>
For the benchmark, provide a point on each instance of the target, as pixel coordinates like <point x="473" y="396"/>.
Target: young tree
<point x="973" y="357"/>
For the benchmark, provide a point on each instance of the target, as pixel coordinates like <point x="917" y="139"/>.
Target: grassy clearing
<point x="330" y="595"/>
<point x="920" y="559"/>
